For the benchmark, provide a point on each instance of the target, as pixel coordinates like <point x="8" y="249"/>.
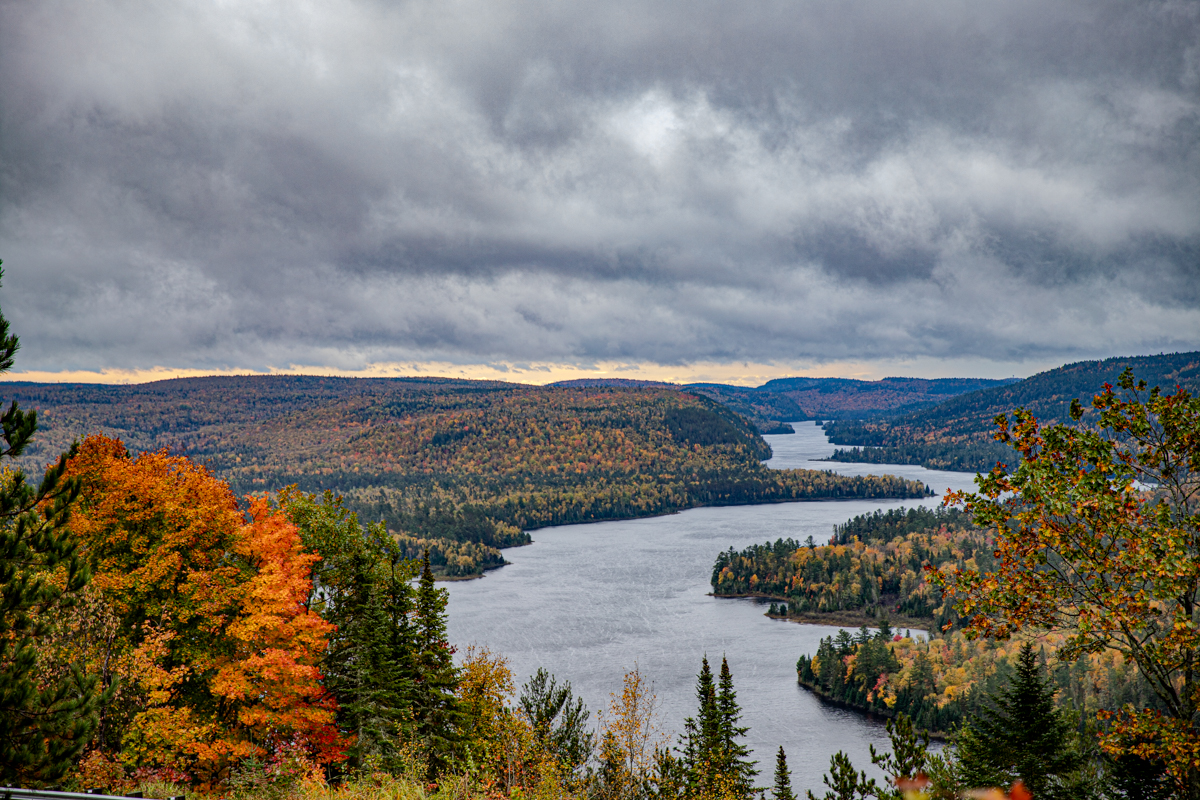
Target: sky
<point x="532" y="191"/>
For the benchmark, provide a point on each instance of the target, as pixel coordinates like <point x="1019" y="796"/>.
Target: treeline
<point x="961" y="457"/>
<point x="422" y="508"/>
<point x="793" y="399"/>
<point x="472" y="464"/>
<point x="873" y="564"/>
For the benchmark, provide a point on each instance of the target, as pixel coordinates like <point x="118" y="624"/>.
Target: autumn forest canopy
<point x="461" y="468"/>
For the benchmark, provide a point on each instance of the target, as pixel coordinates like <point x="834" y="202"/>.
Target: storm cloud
<point x="343" y="182"/>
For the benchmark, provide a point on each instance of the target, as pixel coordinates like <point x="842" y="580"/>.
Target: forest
<point x="461" y="468"/>
<point x="169" y="638"/>
<point x="940" y="682"/>
<point x="873" y="564"/>
<point x="957" y="433"/>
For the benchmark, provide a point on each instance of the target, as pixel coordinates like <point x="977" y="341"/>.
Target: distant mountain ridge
<point x="956" y="434"/>
<point x="771" y="406"/>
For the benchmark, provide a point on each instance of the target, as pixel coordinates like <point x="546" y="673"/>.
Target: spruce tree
<point x="783" y="779"/>
<point x="363" y="585"/>
<point x="702" y="736"/>
<point x="356" y="666"/>
<point x="733" y="756"/>
<point x="436" y="711"/>
<point x="1020" y="734"/>
<point x="43" y="729"/>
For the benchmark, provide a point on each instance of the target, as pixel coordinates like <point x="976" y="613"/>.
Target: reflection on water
<point x="588" y="602"/>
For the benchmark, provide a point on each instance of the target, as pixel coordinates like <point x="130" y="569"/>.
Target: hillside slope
<point x="445" y="461"/>
<point x="957" y="434"/>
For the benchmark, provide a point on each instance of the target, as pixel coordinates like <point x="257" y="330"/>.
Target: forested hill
<point x="767" y="412"/>
<point x="957" y="434"/>
<point x="461" y="467"/>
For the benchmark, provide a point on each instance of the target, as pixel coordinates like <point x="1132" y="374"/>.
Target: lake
<point x="589" y="602"/>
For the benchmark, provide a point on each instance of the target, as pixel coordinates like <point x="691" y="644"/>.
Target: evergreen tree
<point x="909" y="757"/>
<point x="360" y="670"/>
<point x="558" y="720"/>
<point x="43" y="728"/>
<point x="701" y="737"/>
<point x="906" y="765"/>
<point x="783" y="778"/>
<point x="844" y="782"/>
<point x="436" y="712"/>
<point x="733" y="756"/>
<point x="363" y="585"/>
<point x="716" y="762"/>
<point x="1019" y="734"/>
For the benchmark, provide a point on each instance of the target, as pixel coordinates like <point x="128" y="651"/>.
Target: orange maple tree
<point x="215" y="635"/>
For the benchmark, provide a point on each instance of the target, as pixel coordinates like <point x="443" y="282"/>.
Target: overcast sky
<point x="731" y="189"/>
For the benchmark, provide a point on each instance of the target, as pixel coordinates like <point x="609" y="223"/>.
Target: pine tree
<point x="43" y="729"/>
<point x="1020" y="735"/>
<point x="909" y="757"/>
<point x="558" y="720"/>
<point x="783" y="778"/>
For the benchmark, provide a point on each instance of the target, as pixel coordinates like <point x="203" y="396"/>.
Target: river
<point x="589" y="602"/>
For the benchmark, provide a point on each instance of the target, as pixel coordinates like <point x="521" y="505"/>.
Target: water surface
<point x="589" y="602"/>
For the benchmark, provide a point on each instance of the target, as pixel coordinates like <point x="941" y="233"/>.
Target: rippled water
<point x="589" y="602"/>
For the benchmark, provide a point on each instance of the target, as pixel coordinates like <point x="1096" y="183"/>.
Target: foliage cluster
<point x="939" y="682"/>
<point x="1098" y="537"/>
<point x="874" y="564"/>
<point x="195" y="619"/>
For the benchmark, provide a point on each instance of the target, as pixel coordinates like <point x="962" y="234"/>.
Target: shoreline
<point x="931" y="493"/>
<point x="871" y="713"/>
<point x="844" y="618"/>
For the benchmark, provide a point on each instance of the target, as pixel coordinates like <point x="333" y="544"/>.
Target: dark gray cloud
<point x="207" y="184"/>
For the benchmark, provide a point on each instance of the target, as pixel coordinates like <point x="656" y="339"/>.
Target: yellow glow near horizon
<point x="738" y="374"/>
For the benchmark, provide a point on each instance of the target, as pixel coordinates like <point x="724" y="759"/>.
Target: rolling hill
<point x="957" y="434"/>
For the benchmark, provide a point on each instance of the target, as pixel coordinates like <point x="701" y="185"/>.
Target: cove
<point x="589" y="602"/>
